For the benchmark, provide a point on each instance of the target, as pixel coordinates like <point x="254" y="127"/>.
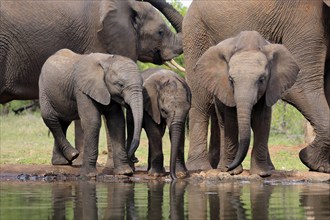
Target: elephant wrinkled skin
<point x="303" y="27"/>
<point x="167" y="100"/>
<point x="74" y="86"/>
<point x="246" y="75"/>
<point x="31" y="31"/>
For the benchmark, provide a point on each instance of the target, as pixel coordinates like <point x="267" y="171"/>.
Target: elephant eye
<point x="161" y="33"/>
<point x="120" y="84"/>
<point x="231" y="80"/>
<point x="163" y="111"/>
<point x="261" y="79"/>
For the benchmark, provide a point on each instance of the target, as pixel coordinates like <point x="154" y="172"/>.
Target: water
<point x="158" y="200"/>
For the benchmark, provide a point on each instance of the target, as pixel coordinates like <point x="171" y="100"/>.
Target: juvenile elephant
<point x="31" y="31"/>
<point x="167" y="100"/>
<point x="303" y="27"/>
<point x="74" y="86"/>
<point x="246" y="75"/>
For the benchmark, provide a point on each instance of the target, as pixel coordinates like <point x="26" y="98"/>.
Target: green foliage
<point x="287" y="125"/>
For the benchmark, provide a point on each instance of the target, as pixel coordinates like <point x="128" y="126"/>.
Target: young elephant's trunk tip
<point x="241" y="154"/>
<point x="134" y="145"/>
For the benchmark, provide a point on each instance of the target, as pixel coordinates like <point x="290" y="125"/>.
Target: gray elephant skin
<point x="303" y="27"/>
<point x="167" y="101"/>
<point x="31" y="31"/>
<point x="74" y="86"/>
<point x="248" y="76"/>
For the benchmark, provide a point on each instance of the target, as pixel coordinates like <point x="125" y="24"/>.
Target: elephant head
<point x="142" y="29"/>
<point x="106" y="77"/>
<point x="242" y="70"/>
<point x="168" y="97"/>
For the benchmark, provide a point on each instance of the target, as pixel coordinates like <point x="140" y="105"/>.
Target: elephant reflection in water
<point x="85" y="202"/>
<point x="221" y="201"/>
<point x="121" y="203"/>
<point x="225" y="201"/>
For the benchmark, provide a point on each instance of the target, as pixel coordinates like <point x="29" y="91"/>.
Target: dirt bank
<point x="16" y="172"/>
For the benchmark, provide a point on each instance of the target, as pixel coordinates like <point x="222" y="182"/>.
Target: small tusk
<point x="174" y="65"/>
<point x="177" y="65"/>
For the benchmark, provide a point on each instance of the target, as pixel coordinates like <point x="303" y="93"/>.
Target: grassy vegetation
<point x="25" y="139"/>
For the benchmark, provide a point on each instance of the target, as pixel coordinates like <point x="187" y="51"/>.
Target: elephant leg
<point x="314" y="107"/>
<point x="63" y="152"/>
<point x="307" y="95"/>
<point x="155" y="154"/>
<point x="260" y="159"/>
<point x="228" y="152"/>
<point x="214" y="148"/>
<point x="79" y="143"/>
<point x="198" y="158"/>
<point x="116" y="125"/>
<point x="91" y="126"/>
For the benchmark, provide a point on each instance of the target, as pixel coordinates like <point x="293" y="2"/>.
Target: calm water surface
<point x="159" y="200"/>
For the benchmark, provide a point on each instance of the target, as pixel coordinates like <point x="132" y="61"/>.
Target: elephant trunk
<point x="244" y="129"/>
<point x="176" y="129"/>
<point x="136" y="104"/>
<point x="170" y="13"/>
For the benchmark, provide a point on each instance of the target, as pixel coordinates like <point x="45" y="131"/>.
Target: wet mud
<point x="49" y="173"/>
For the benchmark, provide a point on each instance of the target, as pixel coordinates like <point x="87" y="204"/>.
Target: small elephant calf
<point x="167" y="100"/>
<point x="74" y="86"/>
<point x="246" y="75"/>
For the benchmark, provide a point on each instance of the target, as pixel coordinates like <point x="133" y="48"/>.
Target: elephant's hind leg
<point x="63" y="152"/>
<point x="314" y="107"/>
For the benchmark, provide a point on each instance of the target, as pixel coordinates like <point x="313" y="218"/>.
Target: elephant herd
<point x="79" y="59"/>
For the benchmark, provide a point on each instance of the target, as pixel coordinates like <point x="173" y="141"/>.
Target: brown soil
<point x="16" y="172"/>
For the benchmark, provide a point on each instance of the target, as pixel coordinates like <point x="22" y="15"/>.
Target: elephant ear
<point x="211" y="71"/>
<point x="150" y="97"/>
<point x="117" y="32"/>
<point x="89" y="78"/>
<point x="327" y="2"/>
<point x="283" y="71"/>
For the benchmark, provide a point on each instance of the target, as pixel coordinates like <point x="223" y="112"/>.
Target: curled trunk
<point x="170" y="13"/>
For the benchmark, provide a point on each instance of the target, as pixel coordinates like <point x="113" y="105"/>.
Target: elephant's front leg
<point x="198" y="158"/>
<point x="91" y="124"/>
<point x="116" y="125"/>
<point x="229" y="150"/>
<point x="155" y="133"/>
<point x="261" y="163"/>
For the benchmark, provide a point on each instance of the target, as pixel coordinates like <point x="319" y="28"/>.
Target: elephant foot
<point x="236" y="171"/>
<point x="58" y="157"/>
<point x="261" y="168"/>
<point x="88" y="171"/>
<point x="157" y="172"/>
<point x="60" y="160"/>
<point x="200" y="163"/>
<point x="316" y="158"/>
<point x="70" y="153"/>
<point x="123" y="170"/>
<point x="78" y="161"/>
<point x="181" y="171"/>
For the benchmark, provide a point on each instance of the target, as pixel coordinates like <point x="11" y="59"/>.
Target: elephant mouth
<point x="158" y="58"/>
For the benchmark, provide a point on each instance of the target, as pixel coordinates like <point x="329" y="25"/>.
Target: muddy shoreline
<point x="50" y="173"/>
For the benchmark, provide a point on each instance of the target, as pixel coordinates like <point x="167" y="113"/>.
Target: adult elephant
<point x="31" y="31"/>
<point x="302" y="26"/>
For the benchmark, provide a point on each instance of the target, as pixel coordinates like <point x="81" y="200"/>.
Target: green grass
<point x="25" y="139"/>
